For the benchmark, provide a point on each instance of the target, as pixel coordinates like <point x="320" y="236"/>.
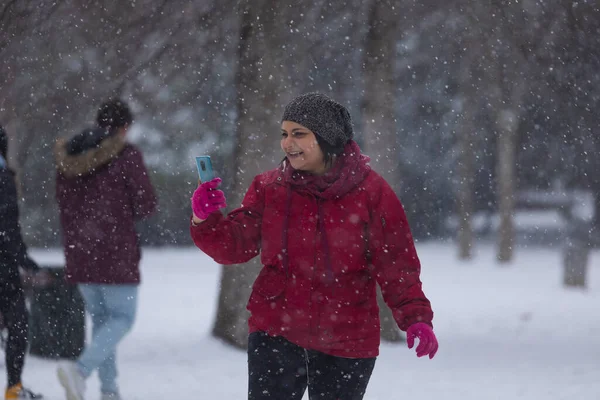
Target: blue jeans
<point x="112" y="308"/>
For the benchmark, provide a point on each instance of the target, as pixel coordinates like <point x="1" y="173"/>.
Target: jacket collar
<point x="88" y="161"/>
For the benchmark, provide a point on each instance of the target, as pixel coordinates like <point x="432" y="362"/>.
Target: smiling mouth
<point x="294" y="154"/>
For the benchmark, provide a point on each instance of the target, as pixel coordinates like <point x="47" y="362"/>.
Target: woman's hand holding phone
<point x="207" y="199"/>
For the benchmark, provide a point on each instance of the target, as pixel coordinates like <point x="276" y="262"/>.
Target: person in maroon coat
<point x="335" y="230"/>
<point x="102" y="189"/>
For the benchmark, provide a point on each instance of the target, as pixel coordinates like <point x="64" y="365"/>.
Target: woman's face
<point x="301" y="147"/>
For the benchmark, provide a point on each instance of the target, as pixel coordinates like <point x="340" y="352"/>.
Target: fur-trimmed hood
<point x="88" y="161"/>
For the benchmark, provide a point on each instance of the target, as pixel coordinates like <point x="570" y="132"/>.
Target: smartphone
<point x="205" y="170"/>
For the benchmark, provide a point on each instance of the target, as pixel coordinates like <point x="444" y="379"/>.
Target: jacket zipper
<point x="311" y="315"/>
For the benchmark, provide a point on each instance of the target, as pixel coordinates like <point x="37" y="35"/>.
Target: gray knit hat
<point x="325" y="117"/>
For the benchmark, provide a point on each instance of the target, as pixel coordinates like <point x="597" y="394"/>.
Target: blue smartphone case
<point x="205" y="170"/>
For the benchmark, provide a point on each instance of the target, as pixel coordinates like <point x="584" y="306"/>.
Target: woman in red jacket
<point x="335" y="229"/>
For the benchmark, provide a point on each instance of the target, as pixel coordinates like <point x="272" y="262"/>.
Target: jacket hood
<point x="87" y="161"/>
<point x="89" y="139"/>
<point x="348" y="171"/>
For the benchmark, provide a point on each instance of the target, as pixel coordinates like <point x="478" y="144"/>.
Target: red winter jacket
<point x="324" y="244"/>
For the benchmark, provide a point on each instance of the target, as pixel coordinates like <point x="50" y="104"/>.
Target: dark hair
<point x="3" y="143"/>
<point x="114" y="113"/>
<point x="329" y="150"/>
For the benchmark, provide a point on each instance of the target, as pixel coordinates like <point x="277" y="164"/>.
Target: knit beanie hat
<point x="327" y="118"/>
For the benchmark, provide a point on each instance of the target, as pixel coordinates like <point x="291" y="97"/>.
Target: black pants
<point x="280" y="370"/>
<point x="14" y="313"/>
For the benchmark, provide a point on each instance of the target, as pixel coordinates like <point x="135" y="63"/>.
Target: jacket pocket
<point x="271" y="282"/>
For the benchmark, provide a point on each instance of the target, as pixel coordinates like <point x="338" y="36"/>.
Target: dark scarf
<point x="350" y="169"/>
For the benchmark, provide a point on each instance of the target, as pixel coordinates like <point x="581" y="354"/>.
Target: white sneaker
<point x="71" y="379"/>
<point x="110" y="396"/>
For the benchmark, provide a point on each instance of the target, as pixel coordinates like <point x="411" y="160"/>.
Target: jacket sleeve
<point x="235" y="238"/>
<point x="12" y="246"/>
<point x="141" y="192"/>
<point x="395" y="261"/>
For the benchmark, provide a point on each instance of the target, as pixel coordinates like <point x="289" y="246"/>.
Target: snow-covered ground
<point x="505" y="332"/>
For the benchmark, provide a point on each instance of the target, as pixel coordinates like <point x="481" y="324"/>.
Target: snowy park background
<point x="506" y="332"/>
<point x="466" y="107"/>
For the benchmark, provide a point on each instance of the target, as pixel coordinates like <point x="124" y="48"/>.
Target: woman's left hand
<point x="428" y="343"/>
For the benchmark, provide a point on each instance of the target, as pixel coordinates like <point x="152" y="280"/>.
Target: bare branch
<point x="5" y="10"/>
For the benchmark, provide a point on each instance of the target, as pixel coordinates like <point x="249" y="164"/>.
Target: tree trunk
<point x="578" y="243"/>
<point x="508" y="64"/>
<point x="474" y="44"/>
<point x="466" y="176"/>
<point x="575" y="263"/>
<point x="378" y="116"/>
<point x="507" y="148"/>
<point x="256" y="150"/>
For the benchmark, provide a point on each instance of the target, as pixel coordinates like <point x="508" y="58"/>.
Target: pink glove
<point x="206" y="199"/>
<point x="428" y="343"/>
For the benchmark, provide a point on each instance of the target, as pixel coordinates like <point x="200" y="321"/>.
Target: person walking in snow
<point x="102" y="189"/>
<point x="335" y="229"/>
<point x="13" y="257"/>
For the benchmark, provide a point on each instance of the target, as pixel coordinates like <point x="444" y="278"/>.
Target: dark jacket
<point x="328" y="241"/>
<point x="101" y="191"/>
<point x="13" y="251"/>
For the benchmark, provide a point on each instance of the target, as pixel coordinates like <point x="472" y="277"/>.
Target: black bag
<point x="56" y="319"/>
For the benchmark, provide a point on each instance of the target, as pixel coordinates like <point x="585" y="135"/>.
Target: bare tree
<point x="466" y="176"/>
<point x="576" y="82"/>
<point x="379" y="125"/>
<point x="258" y="85"/>
<point x="518" y="36"/>
<point x="507" y="147"/>
<point x="473" y="44"/>
<point x="502" y="43"/>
